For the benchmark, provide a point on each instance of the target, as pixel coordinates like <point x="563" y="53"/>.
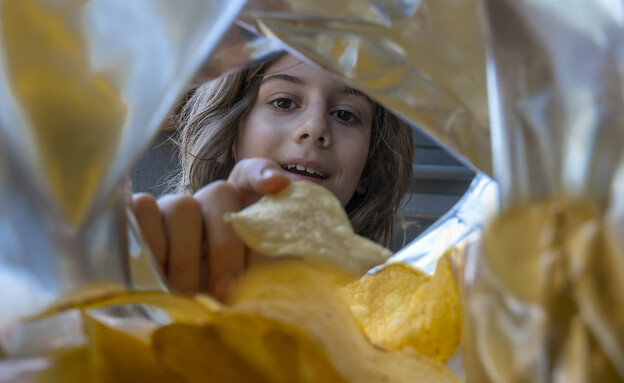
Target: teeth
<point x="302" y="168"/>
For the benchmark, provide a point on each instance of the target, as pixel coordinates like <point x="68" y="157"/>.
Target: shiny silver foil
<point x="425" y="60"/>
<point x="84" y="87"/>
<point x="462" y="225"/>
<point x="544" y="294"/>
<point x="529" y="92"/>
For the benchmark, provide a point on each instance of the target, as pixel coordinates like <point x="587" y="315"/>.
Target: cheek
<point x="353" y="155"/>
<point x="356" y="152"/>
<point x="257" y="138"/>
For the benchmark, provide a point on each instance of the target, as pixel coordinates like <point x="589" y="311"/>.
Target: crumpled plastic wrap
<point x="544" y="300"/>
<point x="84" y="87"/>
<point x="544" y="294"/>
<point x="529" y="92"/>
<point x="424" y="59"/>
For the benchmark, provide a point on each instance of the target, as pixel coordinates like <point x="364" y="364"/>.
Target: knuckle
<point x="216" y="190"/>
<point x="247" y="167"/>
<point x="181" y="270"/>
<point x="184" y="205"/>
<point x="143" y="201"/>
<point x="144" y="205"/>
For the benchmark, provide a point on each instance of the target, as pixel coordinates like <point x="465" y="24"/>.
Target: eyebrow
<point x="355" y="92"/>
<point x="296" y="80"/>
<point x="282" y="77"/>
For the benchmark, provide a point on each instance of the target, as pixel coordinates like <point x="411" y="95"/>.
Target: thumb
<point x="255" y="177"/>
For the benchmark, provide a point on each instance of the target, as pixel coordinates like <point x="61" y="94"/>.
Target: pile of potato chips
<point x="289" y="321"/>
<point x="402" y="308"/>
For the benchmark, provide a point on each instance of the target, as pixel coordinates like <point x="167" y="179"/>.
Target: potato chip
<point x="90" y="292"/>
<point x="119" y="348"/>
<point x="295" y="293"/>
<point x="178" y="308"/>
<point x="400" y="307"/>
<point x="121" y="352"/>
<point x="67" y="365"/>
<point x="306" y="220"/>
<point x="208" y="302"/>
<point x="383" y="296"/>
<point x="242" y="347"/>
<point x="286" y="322"/>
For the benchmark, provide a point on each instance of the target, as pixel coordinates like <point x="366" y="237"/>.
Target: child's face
<point x="314" y="125"/>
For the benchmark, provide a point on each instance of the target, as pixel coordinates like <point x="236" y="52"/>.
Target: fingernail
<point x="268" y="173"/>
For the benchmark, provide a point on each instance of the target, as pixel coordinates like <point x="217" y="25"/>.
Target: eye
<point x="345" y="116"/>
<point x="283" y="103"/>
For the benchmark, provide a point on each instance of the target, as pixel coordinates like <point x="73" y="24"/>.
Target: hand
<point x="194" y="247"/>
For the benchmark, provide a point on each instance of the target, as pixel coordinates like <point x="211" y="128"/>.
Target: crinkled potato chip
<point x="65" y="365"/>
<point x="286" y="322"/>
<point x="119" y="349"/>
<point x="296" y="293"/>
<point x="122" y="352"/>
<point x="178" y="308"/>
<point x="243" y="347"/>
<point x="400" y="308"/>
<point x="306" y="220"/>
<point x="383" y="296"/>
<point x="91" y="292"/>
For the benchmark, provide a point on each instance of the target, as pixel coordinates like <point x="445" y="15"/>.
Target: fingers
<point x="254" y="258"/>
<point x="256" y="177"/>
<point x="180" y="228"/>
<point x="182" y="219"/>
<point x="248" y="181"/>
<point x="226" y="252"/>
<point x="148" y="216"/>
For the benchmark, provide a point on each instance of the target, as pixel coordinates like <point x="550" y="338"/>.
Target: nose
<point x="313" y="126"/>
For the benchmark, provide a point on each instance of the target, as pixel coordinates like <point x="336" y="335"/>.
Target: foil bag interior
<point x="527" y="92"/>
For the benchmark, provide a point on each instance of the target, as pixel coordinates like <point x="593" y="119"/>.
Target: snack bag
<point x="544" y="293"/>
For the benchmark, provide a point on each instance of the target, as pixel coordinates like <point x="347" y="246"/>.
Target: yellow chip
<point x="383" y="297"/>
<point x="86" y="294"/>
<point x="287" y="322"/>
<point x="120" y="351"/>
<point x="66" y="365"/>
<point x="306" y="220"/>
<point x="239" y="347"/>
<point x="295" y="293"/>
<point x="401" y="308"/>
<point x="178" y="308"/>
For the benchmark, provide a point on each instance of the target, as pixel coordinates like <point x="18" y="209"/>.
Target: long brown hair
<point x="208" y="126"/>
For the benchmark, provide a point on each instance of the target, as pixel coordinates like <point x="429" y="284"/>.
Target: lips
<point x="306" y="168"/>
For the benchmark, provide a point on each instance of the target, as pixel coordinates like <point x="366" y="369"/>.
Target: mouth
<point x="304" y="171"/>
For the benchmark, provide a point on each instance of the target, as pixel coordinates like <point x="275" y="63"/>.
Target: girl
<point x="248" y="134"/>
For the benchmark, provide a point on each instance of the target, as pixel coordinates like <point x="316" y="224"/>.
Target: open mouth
<point x="304" y="171"/>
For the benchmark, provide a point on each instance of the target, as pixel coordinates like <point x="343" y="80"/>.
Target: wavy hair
<point x="208" y="131"/>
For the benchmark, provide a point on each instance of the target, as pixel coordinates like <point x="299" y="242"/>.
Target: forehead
<point x="306" y="73"/>
<point x="292" y="65"/>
